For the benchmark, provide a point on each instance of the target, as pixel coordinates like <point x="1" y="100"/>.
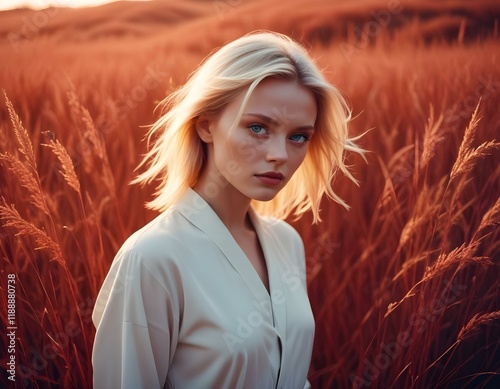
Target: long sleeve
<point x="137" y="321"/>
<point x="183" y="307"/>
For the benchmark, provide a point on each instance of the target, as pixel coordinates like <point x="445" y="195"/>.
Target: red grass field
<point x="405" y="286"/>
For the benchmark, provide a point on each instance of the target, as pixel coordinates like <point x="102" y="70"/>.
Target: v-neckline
<point x="202" y="215"/>
<point x="199" y="213"/>
<point x="255" y="240"/>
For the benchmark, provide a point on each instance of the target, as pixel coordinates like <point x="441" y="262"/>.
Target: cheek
<point x="233" y="151"/>
<point x="243" y="147"/>
<point x="298" y="156"/>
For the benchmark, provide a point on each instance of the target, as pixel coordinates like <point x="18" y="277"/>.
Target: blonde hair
<point x="178" y="155"/>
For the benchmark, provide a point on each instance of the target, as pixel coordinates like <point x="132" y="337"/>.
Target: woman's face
<point x="259" y="156"/>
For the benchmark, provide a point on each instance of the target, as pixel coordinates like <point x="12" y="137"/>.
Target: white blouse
<point x="183" y="307"/>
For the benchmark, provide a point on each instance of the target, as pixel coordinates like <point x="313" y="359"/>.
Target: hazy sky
<point x="38" y="4"/>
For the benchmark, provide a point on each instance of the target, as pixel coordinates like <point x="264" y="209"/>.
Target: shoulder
<point x="287" y="244"/>
<point x="278" y="226"/>
<point x="146" y="265"/>
<point x="281" y="230"/>
<point x="161" y="242"/>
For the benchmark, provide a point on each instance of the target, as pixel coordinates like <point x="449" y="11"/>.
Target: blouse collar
<point x="195" y="209"/>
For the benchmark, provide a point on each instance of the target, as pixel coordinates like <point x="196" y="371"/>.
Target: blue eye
<point x="257" y="129"/>
<point x="300" y="138"/>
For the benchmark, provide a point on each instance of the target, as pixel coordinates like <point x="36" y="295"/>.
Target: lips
<point x="271" y="175"/>
<point x="270" y="178"/>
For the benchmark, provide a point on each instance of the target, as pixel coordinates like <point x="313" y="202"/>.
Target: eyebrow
<point x="269" y="120"/>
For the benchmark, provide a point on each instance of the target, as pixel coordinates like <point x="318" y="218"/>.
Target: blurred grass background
<point x="404" y="285"/>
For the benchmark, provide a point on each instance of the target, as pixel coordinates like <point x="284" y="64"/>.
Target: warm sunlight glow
<point x="404" y="286"/>
<point x="41" y="4"/>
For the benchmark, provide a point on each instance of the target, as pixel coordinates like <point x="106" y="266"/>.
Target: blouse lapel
<point x="194" y="208"/>
<point x="275" y="254"/>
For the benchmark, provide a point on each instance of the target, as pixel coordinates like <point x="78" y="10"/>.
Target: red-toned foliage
<point x="404" y="285"/>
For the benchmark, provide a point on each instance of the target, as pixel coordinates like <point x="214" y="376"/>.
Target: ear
<point x="203" y="129"/>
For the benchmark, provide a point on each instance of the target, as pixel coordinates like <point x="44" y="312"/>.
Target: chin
<point x="264" y="195"/>
<point x="264" y="198"/>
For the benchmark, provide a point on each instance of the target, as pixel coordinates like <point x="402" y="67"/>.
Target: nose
<point x="276" y="150"/>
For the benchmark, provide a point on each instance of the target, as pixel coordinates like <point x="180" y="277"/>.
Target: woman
<point x="212" y="293"/>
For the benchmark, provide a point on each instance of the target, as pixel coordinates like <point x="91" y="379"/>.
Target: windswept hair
<point x="178" y="155"/>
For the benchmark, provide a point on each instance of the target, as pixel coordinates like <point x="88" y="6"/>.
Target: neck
<point x="228" y="203"/>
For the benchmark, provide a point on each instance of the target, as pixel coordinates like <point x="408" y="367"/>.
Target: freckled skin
<point x="271" y="136"/>
<point x="258" y="145"/>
